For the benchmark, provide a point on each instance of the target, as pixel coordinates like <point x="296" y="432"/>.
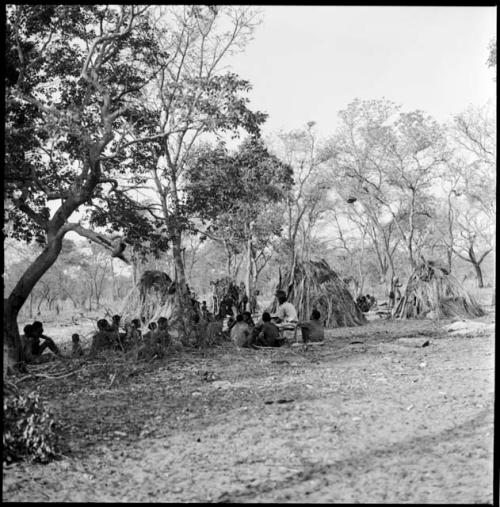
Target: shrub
<point x="30" y="431"/>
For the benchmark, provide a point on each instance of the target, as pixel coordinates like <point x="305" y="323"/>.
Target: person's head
<point x="152" y="326"/>
<point x="102" y="325"/>
<point x="247" y="316"/>
<point x="28" y="330"/>
<point x="75" y="338"/>
<point x="368" y="295"/>
<point x="239" y="317"/>
<point x="116" y="319"/>
<point x="162" y="323"/>
<point x="315" y="315"/>
<point x="266" y="317"/>
<point x="136" y="323"/>
<point x="204" y="304"/>
<point x="281" y="296"/>
<point x="37" y="328"/>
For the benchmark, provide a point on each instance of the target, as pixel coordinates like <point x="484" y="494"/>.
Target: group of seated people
<point x="108" y="336"/>
<point x="268" y="331"/>
<point x="365" y="303"/>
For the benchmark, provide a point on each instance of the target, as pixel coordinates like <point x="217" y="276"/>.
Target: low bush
<point x="30" y="431"/>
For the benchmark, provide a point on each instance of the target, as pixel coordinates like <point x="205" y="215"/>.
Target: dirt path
<point x="376" y="421"/>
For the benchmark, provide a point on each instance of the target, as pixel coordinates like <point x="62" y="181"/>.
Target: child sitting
<point x="76" y="350"/>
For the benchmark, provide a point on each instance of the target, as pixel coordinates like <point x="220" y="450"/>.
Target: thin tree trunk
<point x="249" y="273"/>
<point x="479" y="275"/>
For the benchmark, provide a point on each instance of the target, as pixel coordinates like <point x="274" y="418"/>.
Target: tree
<point x="474" y="134"/>
<point x="305" y="202"/>
<point x="74" y="75"/>
<point x="190" y="99"/>
<point x="235" y="196"/>
<point x="386" y="161"/>
<point x="492" y="56"/>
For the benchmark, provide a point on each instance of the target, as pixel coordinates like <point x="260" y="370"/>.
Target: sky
<point x="308" y="62"/>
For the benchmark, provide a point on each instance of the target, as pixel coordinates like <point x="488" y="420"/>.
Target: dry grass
<point x="432" y="289"/>
<point x="316" y="286"/>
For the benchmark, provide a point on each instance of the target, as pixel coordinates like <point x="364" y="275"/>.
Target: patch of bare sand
<point x="369" y="422"/>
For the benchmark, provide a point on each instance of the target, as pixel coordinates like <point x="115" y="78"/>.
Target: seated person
<point x="104" y="338"/>
<point x="115" y="327"/>
<point x="267" y="333"/>
<point x="247" y="317"/>
<point x="160" y="334"/>
<point x="115" y="322"/>
<point x="313" y="330"/>
<point x="76" y="349"/>
<point x="241" y="332"/>
<point x="136" y="323"/>
<point x="151" y="327"/>
<point x="34" y="348"/>
<point x="285" y="313"/>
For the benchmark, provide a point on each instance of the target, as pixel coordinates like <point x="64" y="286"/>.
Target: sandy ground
<point x="369" y="417"/>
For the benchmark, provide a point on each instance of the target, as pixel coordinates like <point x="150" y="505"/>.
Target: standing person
<point x="204" y="310"/>
<point x="391" y="299"/>
<point x="242" y="298"/>
<point x="313" y="329"/>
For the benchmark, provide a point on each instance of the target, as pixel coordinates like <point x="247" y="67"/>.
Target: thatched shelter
<point x="314" y="285"/>
<point x="432" y="292"/>
<point x="152" y="298"/>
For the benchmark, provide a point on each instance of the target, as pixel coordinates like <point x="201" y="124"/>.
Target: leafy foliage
<point x="30" y="431"/>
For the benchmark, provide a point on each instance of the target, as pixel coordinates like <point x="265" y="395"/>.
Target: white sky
<point x="308" y="62"/>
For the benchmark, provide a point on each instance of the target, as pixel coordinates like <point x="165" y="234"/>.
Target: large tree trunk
<point x="20" y="293"/>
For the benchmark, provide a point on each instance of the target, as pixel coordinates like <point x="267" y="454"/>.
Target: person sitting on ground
<point x="115" y="327"/>
<point x="154" y="340"/>
<point x="104" y="338"/>
<point x="313" y="330"/>
<point x="152" y="326"/>
<point x="267" y="333"/>
<point x="285" y="313"/>
<point x="247" y="317"/>
<point x="241" y="332"/>
<point x="27" y="332"/>
<point x="35" y="349"/>
<point x="115" y="322"/>
<point x="31" y="345"/>
<point x="76" y="349"/>
<point x="137" y="326"/>
<point x="161" y="335"/>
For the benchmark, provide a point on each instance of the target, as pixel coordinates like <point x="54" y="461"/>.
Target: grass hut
<point x="432" y="291"/>
<point x="151" y="298"/>
<point x="314" y="285"/>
